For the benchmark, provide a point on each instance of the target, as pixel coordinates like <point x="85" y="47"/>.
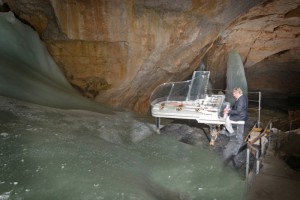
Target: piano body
<point x="189" y="100"/>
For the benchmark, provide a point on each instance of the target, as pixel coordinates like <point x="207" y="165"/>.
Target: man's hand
<point x="226" y="110"/>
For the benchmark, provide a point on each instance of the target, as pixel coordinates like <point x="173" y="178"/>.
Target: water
<point x="57" y="147"/>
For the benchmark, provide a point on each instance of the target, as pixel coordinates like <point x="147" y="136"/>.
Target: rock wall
<point x="118" y="51"/>
<point x="267" y="38"/>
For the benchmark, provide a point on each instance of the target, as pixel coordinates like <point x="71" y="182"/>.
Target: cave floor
<point x="276" y="180"/>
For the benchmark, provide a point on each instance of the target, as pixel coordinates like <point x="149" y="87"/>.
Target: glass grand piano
<point x="189" y="100"/>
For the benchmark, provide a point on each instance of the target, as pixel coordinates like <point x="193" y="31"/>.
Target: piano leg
<point x="157" y="123"/>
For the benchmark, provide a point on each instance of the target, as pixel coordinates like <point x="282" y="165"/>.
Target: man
<point x="239" y="112"/>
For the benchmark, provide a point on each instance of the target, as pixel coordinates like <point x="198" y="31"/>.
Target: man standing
<point x="239" y="112"/>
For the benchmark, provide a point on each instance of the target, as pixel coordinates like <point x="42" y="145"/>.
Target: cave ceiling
<point x="117" y="52"/>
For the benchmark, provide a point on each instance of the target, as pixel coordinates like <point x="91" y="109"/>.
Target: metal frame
<point x="255" y="151"/>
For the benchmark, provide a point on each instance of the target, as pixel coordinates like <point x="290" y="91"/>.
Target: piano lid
<point x="190" y="90"/>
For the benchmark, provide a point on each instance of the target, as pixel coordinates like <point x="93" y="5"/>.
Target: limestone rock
<point x="259" y="35"/>
<point x="130" y="47"/>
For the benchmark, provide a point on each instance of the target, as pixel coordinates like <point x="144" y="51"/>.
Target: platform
<point x="276" y="180"/>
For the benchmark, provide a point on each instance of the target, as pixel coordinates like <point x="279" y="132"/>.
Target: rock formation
<point x="267" y="38"/>
<point x="117" y="52"/>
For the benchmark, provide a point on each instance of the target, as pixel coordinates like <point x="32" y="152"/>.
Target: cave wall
<point x="267" y="38"/>
<point x="118" y="51"/>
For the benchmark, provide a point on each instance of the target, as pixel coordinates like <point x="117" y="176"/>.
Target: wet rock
<point x="233" y="153"/>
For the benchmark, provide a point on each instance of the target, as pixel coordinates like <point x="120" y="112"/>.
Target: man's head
<point x="237" y="92"/>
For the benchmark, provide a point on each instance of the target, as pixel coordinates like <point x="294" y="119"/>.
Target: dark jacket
<point x="239" y="111"/>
